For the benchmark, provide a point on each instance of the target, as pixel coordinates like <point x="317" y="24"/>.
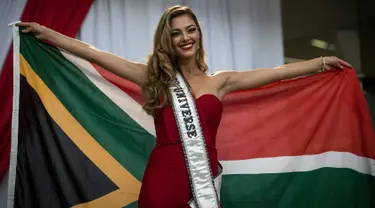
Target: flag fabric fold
<point x="84" y="140"/>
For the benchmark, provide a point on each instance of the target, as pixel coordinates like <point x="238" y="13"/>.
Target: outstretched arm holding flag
<point x="132" y="71"/>
<point x="225" y="82"/>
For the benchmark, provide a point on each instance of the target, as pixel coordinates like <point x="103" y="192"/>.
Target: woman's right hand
<point x="135" y="72"/>
<point x="40" y="32"/>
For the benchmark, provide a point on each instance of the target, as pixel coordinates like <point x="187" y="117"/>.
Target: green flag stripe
<point x="300" y="163"/>
<point x="323" y="188"/>
<point x="123" y="138"/>
<point x="118" y="96"/>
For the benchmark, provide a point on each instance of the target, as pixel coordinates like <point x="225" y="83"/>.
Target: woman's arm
<point x="135" y="72"/>
<point x="229" y="81"/>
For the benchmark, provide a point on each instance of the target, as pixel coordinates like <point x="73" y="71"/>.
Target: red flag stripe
<point x="311" y="115"/>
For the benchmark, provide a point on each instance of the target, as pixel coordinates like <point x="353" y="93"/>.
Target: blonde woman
<point x="171" y="178"/>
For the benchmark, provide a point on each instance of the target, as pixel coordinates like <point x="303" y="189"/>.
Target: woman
<point x="178" y="49"/>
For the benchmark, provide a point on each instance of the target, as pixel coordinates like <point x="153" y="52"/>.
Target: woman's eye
<point x="192" y="29"/>
<point x="175" y="34"/>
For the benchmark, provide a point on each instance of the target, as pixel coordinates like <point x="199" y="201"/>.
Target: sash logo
<point x="185" y="111"/>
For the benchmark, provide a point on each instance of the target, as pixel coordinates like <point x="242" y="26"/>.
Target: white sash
<point x="205" y="188"/>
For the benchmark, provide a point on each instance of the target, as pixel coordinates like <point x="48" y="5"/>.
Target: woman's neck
<point x="189" y="66"/>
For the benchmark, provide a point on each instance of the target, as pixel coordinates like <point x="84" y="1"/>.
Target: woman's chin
<point x="186" y="55"/>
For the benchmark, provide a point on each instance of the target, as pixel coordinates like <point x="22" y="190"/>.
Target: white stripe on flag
<point x="119" y="97"/>
<point x="303" y="163"/>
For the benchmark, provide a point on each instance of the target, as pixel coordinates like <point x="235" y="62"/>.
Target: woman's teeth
<point x="187" y="46"/>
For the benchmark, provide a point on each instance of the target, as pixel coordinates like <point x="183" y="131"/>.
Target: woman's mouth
<point x="187" y="47"/>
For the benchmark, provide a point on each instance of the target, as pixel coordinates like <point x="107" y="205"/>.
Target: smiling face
<point x="177" y="36"/>
<point x="185" y="36"/>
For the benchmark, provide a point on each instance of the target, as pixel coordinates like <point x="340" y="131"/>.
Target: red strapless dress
<point x="166" y="181"/>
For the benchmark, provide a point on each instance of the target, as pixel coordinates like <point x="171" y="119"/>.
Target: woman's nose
<point x="185" y="37"/>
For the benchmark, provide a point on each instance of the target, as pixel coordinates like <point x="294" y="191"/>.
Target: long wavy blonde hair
<point x="163" y="61"/>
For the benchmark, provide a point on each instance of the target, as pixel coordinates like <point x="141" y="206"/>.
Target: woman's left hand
<point x="330" y="62"/>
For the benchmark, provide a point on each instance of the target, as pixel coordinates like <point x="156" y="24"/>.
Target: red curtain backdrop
<point x="63" y="16"/>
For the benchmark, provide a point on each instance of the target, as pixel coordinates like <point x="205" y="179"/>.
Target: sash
<point x="205" y="188"/>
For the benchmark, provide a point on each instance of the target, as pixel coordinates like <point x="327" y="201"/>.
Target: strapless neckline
<point x="209" y="95"/>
